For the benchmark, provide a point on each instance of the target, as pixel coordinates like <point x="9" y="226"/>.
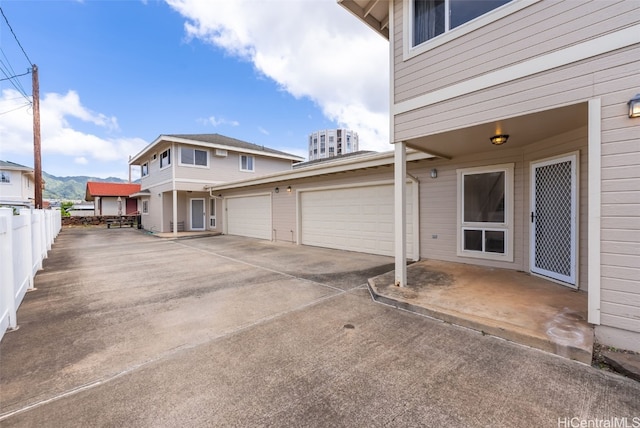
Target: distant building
<point x="17" y="185"/>
<point x="328" y="143"/>
<point x="111" y="198"/>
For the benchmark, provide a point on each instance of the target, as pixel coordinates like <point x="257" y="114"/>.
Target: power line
<point x="15" y="37"/>
<point x="16" y="83"/>
<point x="17" y="108"/>
<point x="15" y="75"/>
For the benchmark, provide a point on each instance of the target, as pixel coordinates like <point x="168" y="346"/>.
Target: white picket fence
<point x="25" y="240"/>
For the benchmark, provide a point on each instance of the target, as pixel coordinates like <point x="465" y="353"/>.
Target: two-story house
<point x="527" y="105"/>
<point x="16" y="185"/>
<point x="175" y="169"/>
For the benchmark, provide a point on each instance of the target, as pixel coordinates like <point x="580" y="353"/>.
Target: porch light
<point x="277" y="190"/>
<point x="499" y="139"/>
<point x="434" y="173"/>
<point x="634" y="106"/>
<point x="289" y="189"/>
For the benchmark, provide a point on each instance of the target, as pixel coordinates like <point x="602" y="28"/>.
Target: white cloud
<point x="262" y="130"/>
<point x="212" y="120"/>
<point x="58" y="135"/>
<point x="312" y="49"/>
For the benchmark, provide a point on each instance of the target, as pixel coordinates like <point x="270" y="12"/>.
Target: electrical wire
<point x="15" y="37"/>
<point x="17" y="108"/>
<point x="15" y="75"/>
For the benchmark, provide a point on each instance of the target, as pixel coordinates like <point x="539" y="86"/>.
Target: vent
<point x="221" y="152"/>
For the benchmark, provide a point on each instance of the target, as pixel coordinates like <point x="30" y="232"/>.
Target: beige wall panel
<point x="623" y="285"/>
<point x="554" y="25"/>
<point x="284" y="215"/>
<point x="606" y="319"/>
<point x="562" y="86"/>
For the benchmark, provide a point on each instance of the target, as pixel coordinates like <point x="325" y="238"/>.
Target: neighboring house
<point x="175" y="169"/>
<point x="332" y="142"/>
<point x="525" y="104"/>
<point x="82" y="210"/>
<point x="112" y="198"/>
<point x="16" y="185"/>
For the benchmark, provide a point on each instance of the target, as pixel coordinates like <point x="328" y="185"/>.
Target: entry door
<point x="554" y="219"/>
<point x="197" y="214"/>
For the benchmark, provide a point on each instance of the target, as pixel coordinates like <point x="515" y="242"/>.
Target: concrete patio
<point x="509" y="304"/>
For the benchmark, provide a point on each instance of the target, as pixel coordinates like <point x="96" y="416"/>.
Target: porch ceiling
<point x="522" y="131"/>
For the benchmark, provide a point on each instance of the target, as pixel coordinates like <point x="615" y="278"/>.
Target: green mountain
<point x="70" y="188"/>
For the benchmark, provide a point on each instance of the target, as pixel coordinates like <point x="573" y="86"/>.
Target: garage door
<point x="354" y="219"/>
<point x="249" y="216"/>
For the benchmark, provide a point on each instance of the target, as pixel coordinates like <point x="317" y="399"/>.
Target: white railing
<point x="25" y="240"/>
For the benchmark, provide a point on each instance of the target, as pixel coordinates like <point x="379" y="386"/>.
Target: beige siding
<point x="544" y="27"/>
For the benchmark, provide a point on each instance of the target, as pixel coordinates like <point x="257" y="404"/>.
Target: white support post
<point x="595" y="207"/>
<point x="400" y="213"/>
<point x="175" y="213"/>
<point x="6" y="273"/>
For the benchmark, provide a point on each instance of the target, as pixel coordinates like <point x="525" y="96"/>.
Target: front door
<point x="554" y="218"/>
<point x="197" y="214"/>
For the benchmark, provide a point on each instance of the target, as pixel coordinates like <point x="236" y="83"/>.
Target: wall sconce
<point x="634" y="106"/>
<point x="434" y="173"/>
<point x="159" y="195"/>
<point x="277" y="190"/>
<point x="499" y="139"/>
<point x="289" y="189"/>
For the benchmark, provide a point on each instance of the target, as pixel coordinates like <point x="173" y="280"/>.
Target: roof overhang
<point x="372" y="161"/>
<point x="374" y="13"/>
<point x="172" y="139"/>
<point x="522" y="130"/>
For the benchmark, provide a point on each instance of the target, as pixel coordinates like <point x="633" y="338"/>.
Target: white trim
<point x="410" y="51"/>
<point x="509" y="215"/>
<point x="594" y="47"/>
<point x="330" y="167"/>
<point x="594" y="204"/>
<point x="573" y="279"/>
<point x="204" y="214"/>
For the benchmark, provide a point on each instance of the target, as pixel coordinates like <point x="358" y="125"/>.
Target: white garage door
<point x="249" y="216"/>
<point x="354" y="219"/>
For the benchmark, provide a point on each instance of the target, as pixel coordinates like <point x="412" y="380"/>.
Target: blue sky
<point x="116" y="74"/>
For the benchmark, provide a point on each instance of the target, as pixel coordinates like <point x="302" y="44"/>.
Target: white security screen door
<point x="554" y="219"/>
<point x="197" y="214"/>
<point x="212" y="213"/>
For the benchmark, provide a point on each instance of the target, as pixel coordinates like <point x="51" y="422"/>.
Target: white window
<point x="485" y="212"/>
<point x="246" y="163"/>
<point x="165" y="158"/>
<point x="5" y="177"/>
<point x="432" y="18"/>
<point x="144" y="169"/>
<point x="195" y="157"/>
<point x="145" y="207"/>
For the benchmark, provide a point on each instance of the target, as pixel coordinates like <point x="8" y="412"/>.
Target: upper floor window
<point x="246" y="163"/>
<point x="190" y="156"/>
<point x="5" y="177"/>
<point x="165" y="158"/>
<point x="432" y="18"/>
<point x="144" y="169"/>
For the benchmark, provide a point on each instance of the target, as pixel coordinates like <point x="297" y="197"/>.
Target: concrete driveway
<point x="127" y="329"/>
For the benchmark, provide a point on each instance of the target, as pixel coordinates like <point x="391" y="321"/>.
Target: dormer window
<point x="432" y="18"/>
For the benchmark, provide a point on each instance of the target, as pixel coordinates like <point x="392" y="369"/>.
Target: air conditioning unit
<point x="221" y="152"/>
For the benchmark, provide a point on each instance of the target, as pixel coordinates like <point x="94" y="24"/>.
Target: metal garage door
<point x="249" y="216"/>
<point x="354" y="219"/>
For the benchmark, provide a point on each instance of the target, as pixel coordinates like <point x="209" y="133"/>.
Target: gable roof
<point x="14" y="166"/>
<point x="96" y="188"/>
<point x="216" y="141"/>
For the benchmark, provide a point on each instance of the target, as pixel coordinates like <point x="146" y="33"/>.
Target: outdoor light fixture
<point x="634" y="106"/>
<point x="277" y="189"/>
<point x="499" y="139"/>
<point x="289" y="189"/>
<point x="434" y="173"/>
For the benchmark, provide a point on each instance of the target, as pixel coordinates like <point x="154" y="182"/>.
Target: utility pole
<point x="37" y="164"/>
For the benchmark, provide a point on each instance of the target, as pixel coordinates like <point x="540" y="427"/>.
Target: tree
<point x="65" y="207"/>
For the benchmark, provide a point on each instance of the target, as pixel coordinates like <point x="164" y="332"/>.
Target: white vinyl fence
<point x="25" y="240"/>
